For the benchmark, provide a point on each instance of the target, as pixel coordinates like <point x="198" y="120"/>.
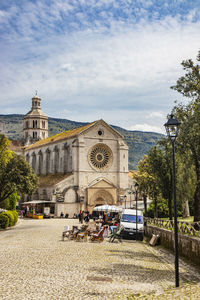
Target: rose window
<point x="100" y="156"/>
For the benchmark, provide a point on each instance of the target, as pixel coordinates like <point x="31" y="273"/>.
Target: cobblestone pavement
<point x="37" y="264"/>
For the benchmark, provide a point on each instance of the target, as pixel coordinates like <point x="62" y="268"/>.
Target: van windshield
<point x="132" y="219"/>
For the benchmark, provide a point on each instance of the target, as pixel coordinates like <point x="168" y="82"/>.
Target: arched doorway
<point x="99" y="201"/>
<point x="100" y="197"/>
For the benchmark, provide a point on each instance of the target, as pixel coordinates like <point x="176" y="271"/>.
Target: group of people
<point x="84" y="216"/>
<point x="106" y="218"/>
<point x="62" y="215"/>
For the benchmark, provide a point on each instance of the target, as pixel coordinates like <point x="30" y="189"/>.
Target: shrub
<point x="15" y="215"/>
<point x="4" y="220"/>
<point x="13" y="198"/>
<point x="11" y="218"/>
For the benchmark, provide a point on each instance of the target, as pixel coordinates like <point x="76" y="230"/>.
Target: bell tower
<point x="35" y="123"/>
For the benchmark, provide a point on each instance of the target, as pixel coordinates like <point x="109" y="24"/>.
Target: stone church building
<point x="79" y="168"/>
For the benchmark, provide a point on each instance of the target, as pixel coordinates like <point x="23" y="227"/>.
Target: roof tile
<point x="60" y="136"/>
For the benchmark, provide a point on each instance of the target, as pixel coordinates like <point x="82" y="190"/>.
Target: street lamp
<point x="125" y="200"/>
<point x="136" y="199"/>
<point x="172" y="127"/>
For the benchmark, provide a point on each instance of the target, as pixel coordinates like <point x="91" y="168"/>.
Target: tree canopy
<point x="154" y="176"/>
<point x="16" y="175"/>
<point x="189" y="116"/>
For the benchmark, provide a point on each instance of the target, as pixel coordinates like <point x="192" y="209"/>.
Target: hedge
<point x="4" y="220"/>
<point x="15" y="214"/>
<point x="8" y="218"/>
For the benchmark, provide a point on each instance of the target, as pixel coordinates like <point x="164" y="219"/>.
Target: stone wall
<point x="189" y="246"/>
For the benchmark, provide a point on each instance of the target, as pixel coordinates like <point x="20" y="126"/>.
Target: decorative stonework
<point x="100" y="157"/>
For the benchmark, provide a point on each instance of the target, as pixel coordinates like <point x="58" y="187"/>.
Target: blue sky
<point x="89" y="59"/>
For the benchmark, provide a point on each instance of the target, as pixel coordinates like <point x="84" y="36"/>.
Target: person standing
<point x="79" y="216"/>
<point x="82" y="216"/>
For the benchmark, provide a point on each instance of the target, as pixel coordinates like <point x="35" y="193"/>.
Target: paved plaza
<point x="37" y="264"/>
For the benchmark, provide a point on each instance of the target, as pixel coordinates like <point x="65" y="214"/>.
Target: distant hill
<point x="139" y="142"/>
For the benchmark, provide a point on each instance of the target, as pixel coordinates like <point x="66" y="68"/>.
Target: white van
<point x="131" y="228"/>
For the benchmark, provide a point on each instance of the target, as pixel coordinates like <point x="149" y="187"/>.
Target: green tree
<point x="160" y="162"/>
<point x="10" y="203"/>
<point x="144" y="180"/>
<point x="16" y="175"/>
<point x="5" y="153"/>
<point x="189" y="115"/>
<point x="186" y="184"/>
<point x="147" y="183"/>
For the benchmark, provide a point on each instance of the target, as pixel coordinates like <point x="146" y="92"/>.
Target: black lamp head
<point x="172" y="127"/>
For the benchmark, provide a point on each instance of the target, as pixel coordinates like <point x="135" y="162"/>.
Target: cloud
<point x="146" y="128"/>
<point x="96" y="59"/>
<point x="156" y="114"/>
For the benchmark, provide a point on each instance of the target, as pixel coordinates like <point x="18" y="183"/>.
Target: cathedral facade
<point x="79" y="168"/>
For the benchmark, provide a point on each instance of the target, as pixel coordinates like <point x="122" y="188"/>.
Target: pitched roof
<point x="35" y="112"/>
<point x="131" y="173"/>
<point x="60" y="136"/>
<point x="52" y="179"/>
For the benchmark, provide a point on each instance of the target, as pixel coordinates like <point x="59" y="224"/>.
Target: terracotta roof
<point x="131" y="173"/>
<point x="52" y="179"/>
<point x="60" y="136"/>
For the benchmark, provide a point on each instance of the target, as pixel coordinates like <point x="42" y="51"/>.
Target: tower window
<point x="34" y="134"/>
<point x="43" y="124"/>
<point x="34" y="124"/>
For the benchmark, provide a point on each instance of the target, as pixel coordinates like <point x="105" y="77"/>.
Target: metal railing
<point x="183" y="227"/>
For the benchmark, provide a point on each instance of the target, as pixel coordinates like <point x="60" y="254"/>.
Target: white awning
<point x="36" y="202"/>
<point x="108" y="208"/>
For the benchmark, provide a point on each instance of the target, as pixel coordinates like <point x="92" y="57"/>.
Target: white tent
<point x="36" y="202"/>
<point x="108" y="208"/>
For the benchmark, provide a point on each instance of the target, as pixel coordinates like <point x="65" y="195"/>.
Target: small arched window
<point x="34" y="134"/>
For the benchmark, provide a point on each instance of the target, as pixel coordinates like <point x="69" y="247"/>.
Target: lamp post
<point x="172" y="127"/>
<point x="136" y="199"/>
<point x="125" y="200"/>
